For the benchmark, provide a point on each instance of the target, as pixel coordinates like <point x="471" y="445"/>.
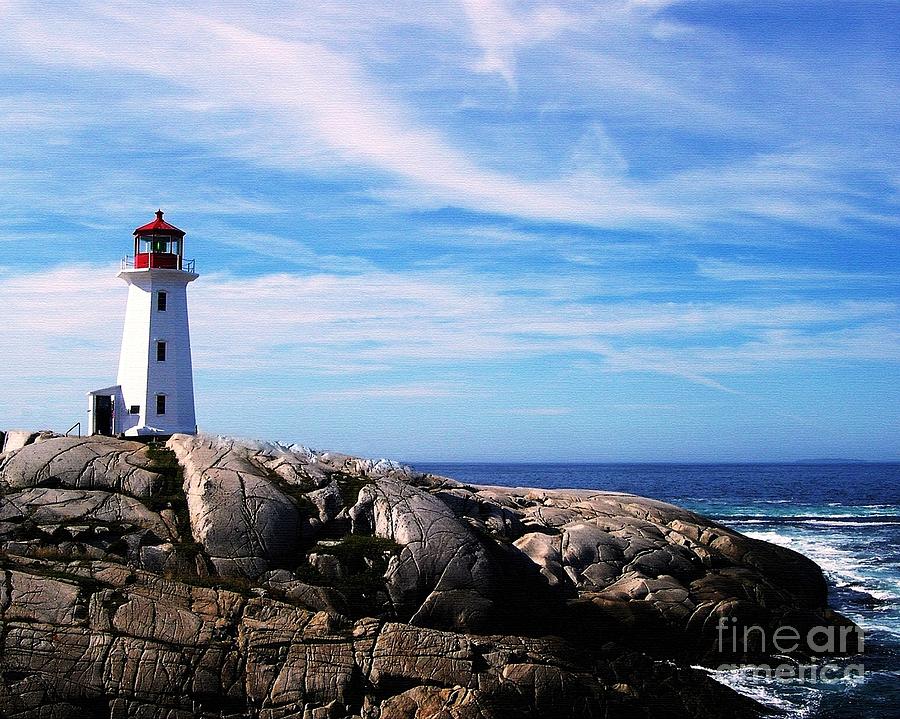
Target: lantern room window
<point x="158" y="245"/>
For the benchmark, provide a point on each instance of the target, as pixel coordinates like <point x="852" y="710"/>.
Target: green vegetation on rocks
<point x="171" y="496"/>
<point x="364" y="560"/>
<point x="171" y="489"/>
<point x="350" y="487"/>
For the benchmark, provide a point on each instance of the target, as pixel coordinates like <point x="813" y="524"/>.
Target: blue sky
<point x="475" y="229"/>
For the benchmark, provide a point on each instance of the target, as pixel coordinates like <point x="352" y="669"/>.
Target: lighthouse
<point x="154" y="394"/>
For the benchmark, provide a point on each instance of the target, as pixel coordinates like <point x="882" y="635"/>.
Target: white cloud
<point x="288" y="88"/>
<point x="728" y="271"/>
<point x="290" y="252"/>
<point x="500" y="32"/>
<point x="597" y="153"/>
<point x="876" y="341"/>
<point x="540" y="411"/>
<point x="494" y="30"/>
<point x="809" y="187"/>
<point x="302" y="104"/>
<point x="63" y="323"/>
<point x="398" y="391"/>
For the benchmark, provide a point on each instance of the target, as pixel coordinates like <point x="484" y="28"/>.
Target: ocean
<point x="845" y="517"/>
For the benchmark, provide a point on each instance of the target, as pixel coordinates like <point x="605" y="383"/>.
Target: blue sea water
<point x="845" y="517"/>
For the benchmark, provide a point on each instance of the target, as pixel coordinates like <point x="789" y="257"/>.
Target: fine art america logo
<point x="786" y="640"/>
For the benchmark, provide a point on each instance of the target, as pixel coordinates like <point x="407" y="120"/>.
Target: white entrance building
<point x="155" y="390"/>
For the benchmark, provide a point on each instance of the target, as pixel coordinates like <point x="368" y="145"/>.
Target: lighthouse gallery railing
<point x="146" y="262"/>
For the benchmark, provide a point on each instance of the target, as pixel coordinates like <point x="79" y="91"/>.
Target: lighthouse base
<point x="109" y="415"/>
<point x="151" y="432"/>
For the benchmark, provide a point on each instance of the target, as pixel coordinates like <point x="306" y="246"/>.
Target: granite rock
<point x="217" y="577"/>
<point x="238" y="514"/>
<point x="81" y="463"/>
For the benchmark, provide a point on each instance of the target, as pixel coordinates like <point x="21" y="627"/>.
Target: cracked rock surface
<point x="216" y="577"/>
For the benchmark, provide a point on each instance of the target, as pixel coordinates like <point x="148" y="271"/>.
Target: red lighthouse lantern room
<point x="158" y="245"/>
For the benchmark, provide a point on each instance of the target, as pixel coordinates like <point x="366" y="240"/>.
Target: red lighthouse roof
<point x="159" y="225"/>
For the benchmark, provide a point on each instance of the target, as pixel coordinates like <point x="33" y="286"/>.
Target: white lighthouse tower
<point x="155" y="391"/>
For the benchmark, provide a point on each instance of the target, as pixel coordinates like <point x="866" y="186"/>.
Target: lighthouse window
<point x="160" y="404"/>
<point x="160" y="351"/>
<point x="134" y="409"/>
<point x="161" y="301"/>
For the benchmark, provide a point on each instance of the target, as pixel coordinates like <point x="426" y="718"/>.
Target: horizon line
<point x="808" y="462"/>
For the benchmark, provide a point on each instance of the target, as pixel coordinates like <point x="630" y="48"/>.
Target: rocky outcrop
<point x="83" y="463"/>
<point x="643" y="569"/>
<point x="107" y="641"/>
<point x="217" y="577"/>
<point x="14" y="439"/>
<point x="447" y="574"/>
<point x="238" y="514"/>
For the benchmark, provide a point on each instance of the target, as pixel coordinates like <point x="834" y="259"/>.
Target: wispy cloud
<point x="540" y="411"/>
<point x="287" y="251"/>
<point x="729" y="271"/>
<point x="312" y="105"/>
<point x="416" y="392"/>
<point x="500" y="32"/>
<point x="369" y="322"/>
<point x="301" y="105"/>
<point x="875" y="342"/>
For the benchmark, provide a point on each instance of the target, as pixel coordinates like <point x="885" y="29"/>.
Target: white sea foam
<point x="882" y="595"/>
<point x="822" y="521"/>
<point x="844" y="568"/>
<point x="873" y="627"/>
<point x="835" y="522"/>
<point x="819" y="512"/>
<point x="794" y="700"/>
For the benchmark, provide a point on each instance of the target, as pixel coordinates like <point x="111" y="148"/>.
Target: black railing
<point x="77" y="425"/>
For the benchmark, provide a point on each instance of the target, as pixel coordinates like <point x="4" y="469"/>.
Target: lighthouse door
<point x="103" y="414"/>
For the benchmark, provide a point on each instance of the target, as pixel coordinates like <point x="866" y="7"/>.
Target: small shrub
<point x="171" y="491"/>
<point x="350" y="487"/>
<point x="363" y="583"/>
<point x="310" y="575"/>
<point x="354" y="549"/>
<point x="304" y="504"/>
<point x="171" y="494"/>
